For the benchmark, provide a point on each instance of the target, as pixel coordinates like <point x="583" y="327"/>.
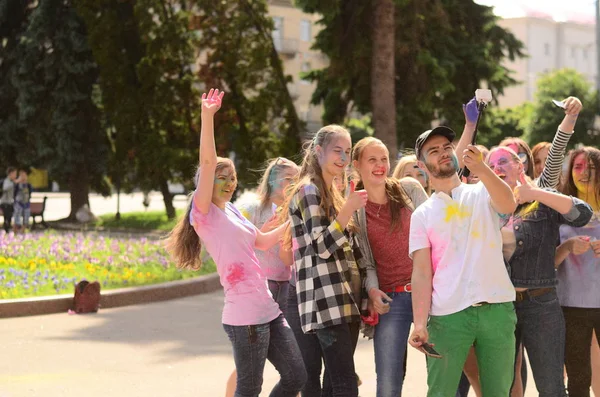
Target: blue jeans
<point x="279" y="290"/>
<point x="390" y="341"/>
<point x="541" y="328"/>
<point x="253" y="345"/>
<point x="309" y="347"/>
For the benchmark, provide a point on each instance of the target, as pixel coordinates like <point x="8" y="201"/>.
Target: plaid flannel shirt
<point x="323" y="254"/>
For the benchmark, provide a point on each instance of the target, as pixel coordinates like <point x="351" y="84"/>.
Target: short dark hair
<point x="10" y="169"/>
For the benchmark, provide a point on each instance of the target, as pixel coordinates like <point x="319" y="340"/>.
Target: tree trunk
<point x="168" y="199"/>
<point x="383" y="73"/>
<point x="79" y="187"/>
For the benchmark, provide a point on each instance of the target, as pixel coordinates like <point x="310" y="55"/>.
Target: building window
<point x="573" y="52"/>
<point x="547" y="49"/>
<point x="305" y="30"/>
<point x="277" y="27"/>
<point x="584" y="53"/>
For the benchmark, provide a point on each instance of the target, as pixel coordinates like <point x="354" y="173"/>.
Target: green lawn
<point x="146" y="220"/>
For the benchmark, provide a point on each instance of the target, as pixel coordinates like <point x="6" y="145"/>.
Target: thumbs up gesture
<point x="525" y="191"/>
<point x="357" y="199"/>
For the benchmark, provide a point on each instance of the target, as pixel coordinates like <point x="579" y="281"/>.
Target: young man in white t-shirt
<point x="462" y="294"/>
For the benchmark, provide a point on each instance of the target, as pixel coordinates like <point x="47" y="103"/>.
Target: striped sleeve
<point x="326" y="236"/>
<point x="551" y="174"/>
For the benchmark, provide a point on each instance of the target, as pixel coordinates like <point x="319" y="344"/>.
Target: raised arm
<point x="572" y="210"/>
<point x="553" y="166"/>
<point x="211" y="103"/>
<point x="471" y="112"/>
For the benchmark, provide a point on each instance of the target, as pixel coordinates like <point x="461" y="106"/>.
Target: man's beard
<point x="438" y="172"/>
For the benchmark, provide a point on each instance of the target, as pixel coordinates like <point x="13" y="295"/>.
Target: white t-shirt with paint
<point x="463" y="232"/>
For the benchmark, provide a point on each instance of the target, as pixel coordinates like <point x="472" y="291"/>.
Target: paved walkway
<point x="176" y="348"/>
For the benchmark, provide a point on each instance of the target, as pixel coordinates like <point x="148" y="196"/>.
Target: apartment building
<point x="550" y="45"/>
<point x="293" y="36"/>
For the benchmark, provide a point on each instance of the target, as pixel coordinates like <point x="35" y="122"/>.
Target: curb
<point x="113" y="298"/>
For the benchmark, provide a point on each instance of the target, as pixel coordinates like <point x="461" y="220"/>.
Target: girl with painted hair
<point x="528" y="245"/>
<point x="385" y="218"/>
<point x="251" y="318"/>
<point x="407" y="167"/>
<point x="578" y="262"/>
<point x="261" y="212"/>
<point x="327" y="259"/>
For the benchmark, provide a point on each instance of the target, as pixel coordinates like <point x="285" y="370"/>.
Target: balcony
<point x="287" y="47"/>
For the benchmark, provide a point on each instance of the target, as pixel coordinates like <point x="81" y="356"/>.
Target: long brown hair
<point x="182" y="242"/>
<point x="274" y="169"/>
<point x="526" y="149"/>
<point x="332" y="199"/>
<point x="393" y="189"/>
<point x="593" y="157"/>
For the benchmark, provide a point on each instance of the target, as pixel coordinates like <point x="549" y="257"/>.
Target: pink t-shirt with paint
<point x="229" y="238"/>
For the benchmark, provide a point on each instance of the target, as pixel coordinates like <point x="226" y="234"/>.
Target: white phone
<point x="483" y="95"/>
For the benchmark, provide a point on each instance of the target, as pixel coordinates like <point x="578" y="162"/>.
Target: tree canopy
<point x="444" y="50"/>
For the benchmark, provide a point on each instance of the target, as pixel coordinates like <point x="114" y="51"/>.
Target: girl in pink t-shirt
<point x="251" y="318"/>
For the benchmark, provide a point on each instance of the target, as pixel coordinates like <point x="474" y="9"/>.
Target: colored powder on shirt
<point x="454" y="210"/>
<point x="235" y="273"/>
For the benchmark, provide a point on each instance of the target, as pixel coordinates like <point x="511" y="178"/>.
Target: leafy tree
<point x="546" y="117"/>
<point x="145" y="52"/>
<point x="497" y="124"/>
<point x="55" y="81"/>
<point x="258" y="120"/>
<point x="444" y="50"/>
<point x="15" y="145"/>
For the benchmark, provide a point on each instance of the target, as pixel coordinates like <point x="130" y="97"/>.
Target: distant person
<point x="22" y="204"/>
<point x="8" y="197"/>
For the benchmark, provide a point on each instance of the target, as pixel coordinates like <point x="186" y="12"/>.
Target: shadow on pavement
<point x="187" y="327"/>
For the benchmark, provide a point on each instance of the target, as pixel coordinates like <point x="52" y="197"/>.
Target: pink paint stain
<point x="235" y="274"/>
<point x="295" y="245"/>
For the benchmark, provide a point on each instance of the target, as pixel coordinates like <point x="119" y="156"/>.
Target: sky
<point x="560" y="10"/>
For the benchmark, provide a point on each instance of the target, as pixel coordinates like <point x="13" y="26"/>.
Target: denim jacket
<point x="536" y="228"/>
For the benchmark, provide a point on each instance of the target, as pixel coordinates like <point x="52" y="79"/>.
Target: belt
<point x="531" y="293"/>
<point x="399" y="288"/>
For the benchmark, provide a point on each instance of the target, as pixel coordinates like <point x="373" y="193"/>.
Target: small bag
<point x="87" y="297"/>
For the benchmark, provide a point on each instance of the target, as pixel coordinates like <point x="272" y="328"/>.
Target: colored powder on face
<point x="344" y="157"/>
<point x="235" y="273"/>
<point x="454" y="161"/>
<point x="453" y="210"/>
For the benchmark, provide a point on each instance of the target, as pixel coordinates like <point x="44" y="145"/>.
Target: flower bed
<point x="50" y="263"/>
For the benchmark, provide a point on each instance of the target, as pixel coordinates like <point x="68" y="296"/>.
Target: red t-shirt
<point x="389" y="248"/>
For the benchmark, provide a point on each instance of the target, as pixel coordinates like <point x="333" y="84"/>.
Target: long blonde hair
<point x="393" y="190"/>
<point x="332" y="199"/>
<point x="183" y="242"/>
<point x="274" y="169"/>
<point x="401" y="167"/>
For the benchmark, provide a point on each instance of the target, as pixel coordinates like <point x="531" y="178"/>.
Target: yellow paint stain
<point x="475" y="233"/>
<point x="246" y="214"/>
<point x="454" y="210"/>
<point x="530" y="208"/>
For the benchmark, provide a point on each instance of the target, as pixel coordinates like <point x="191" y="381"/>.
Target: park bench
<point x="36" y="210"/>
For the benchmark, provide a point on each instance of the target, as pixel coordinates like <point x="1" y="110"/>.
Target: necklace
<point x="379" y="209"/>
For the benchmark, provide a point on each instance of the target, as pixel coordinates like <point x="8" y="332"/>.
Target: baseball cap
<point x="441" y="130"/>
